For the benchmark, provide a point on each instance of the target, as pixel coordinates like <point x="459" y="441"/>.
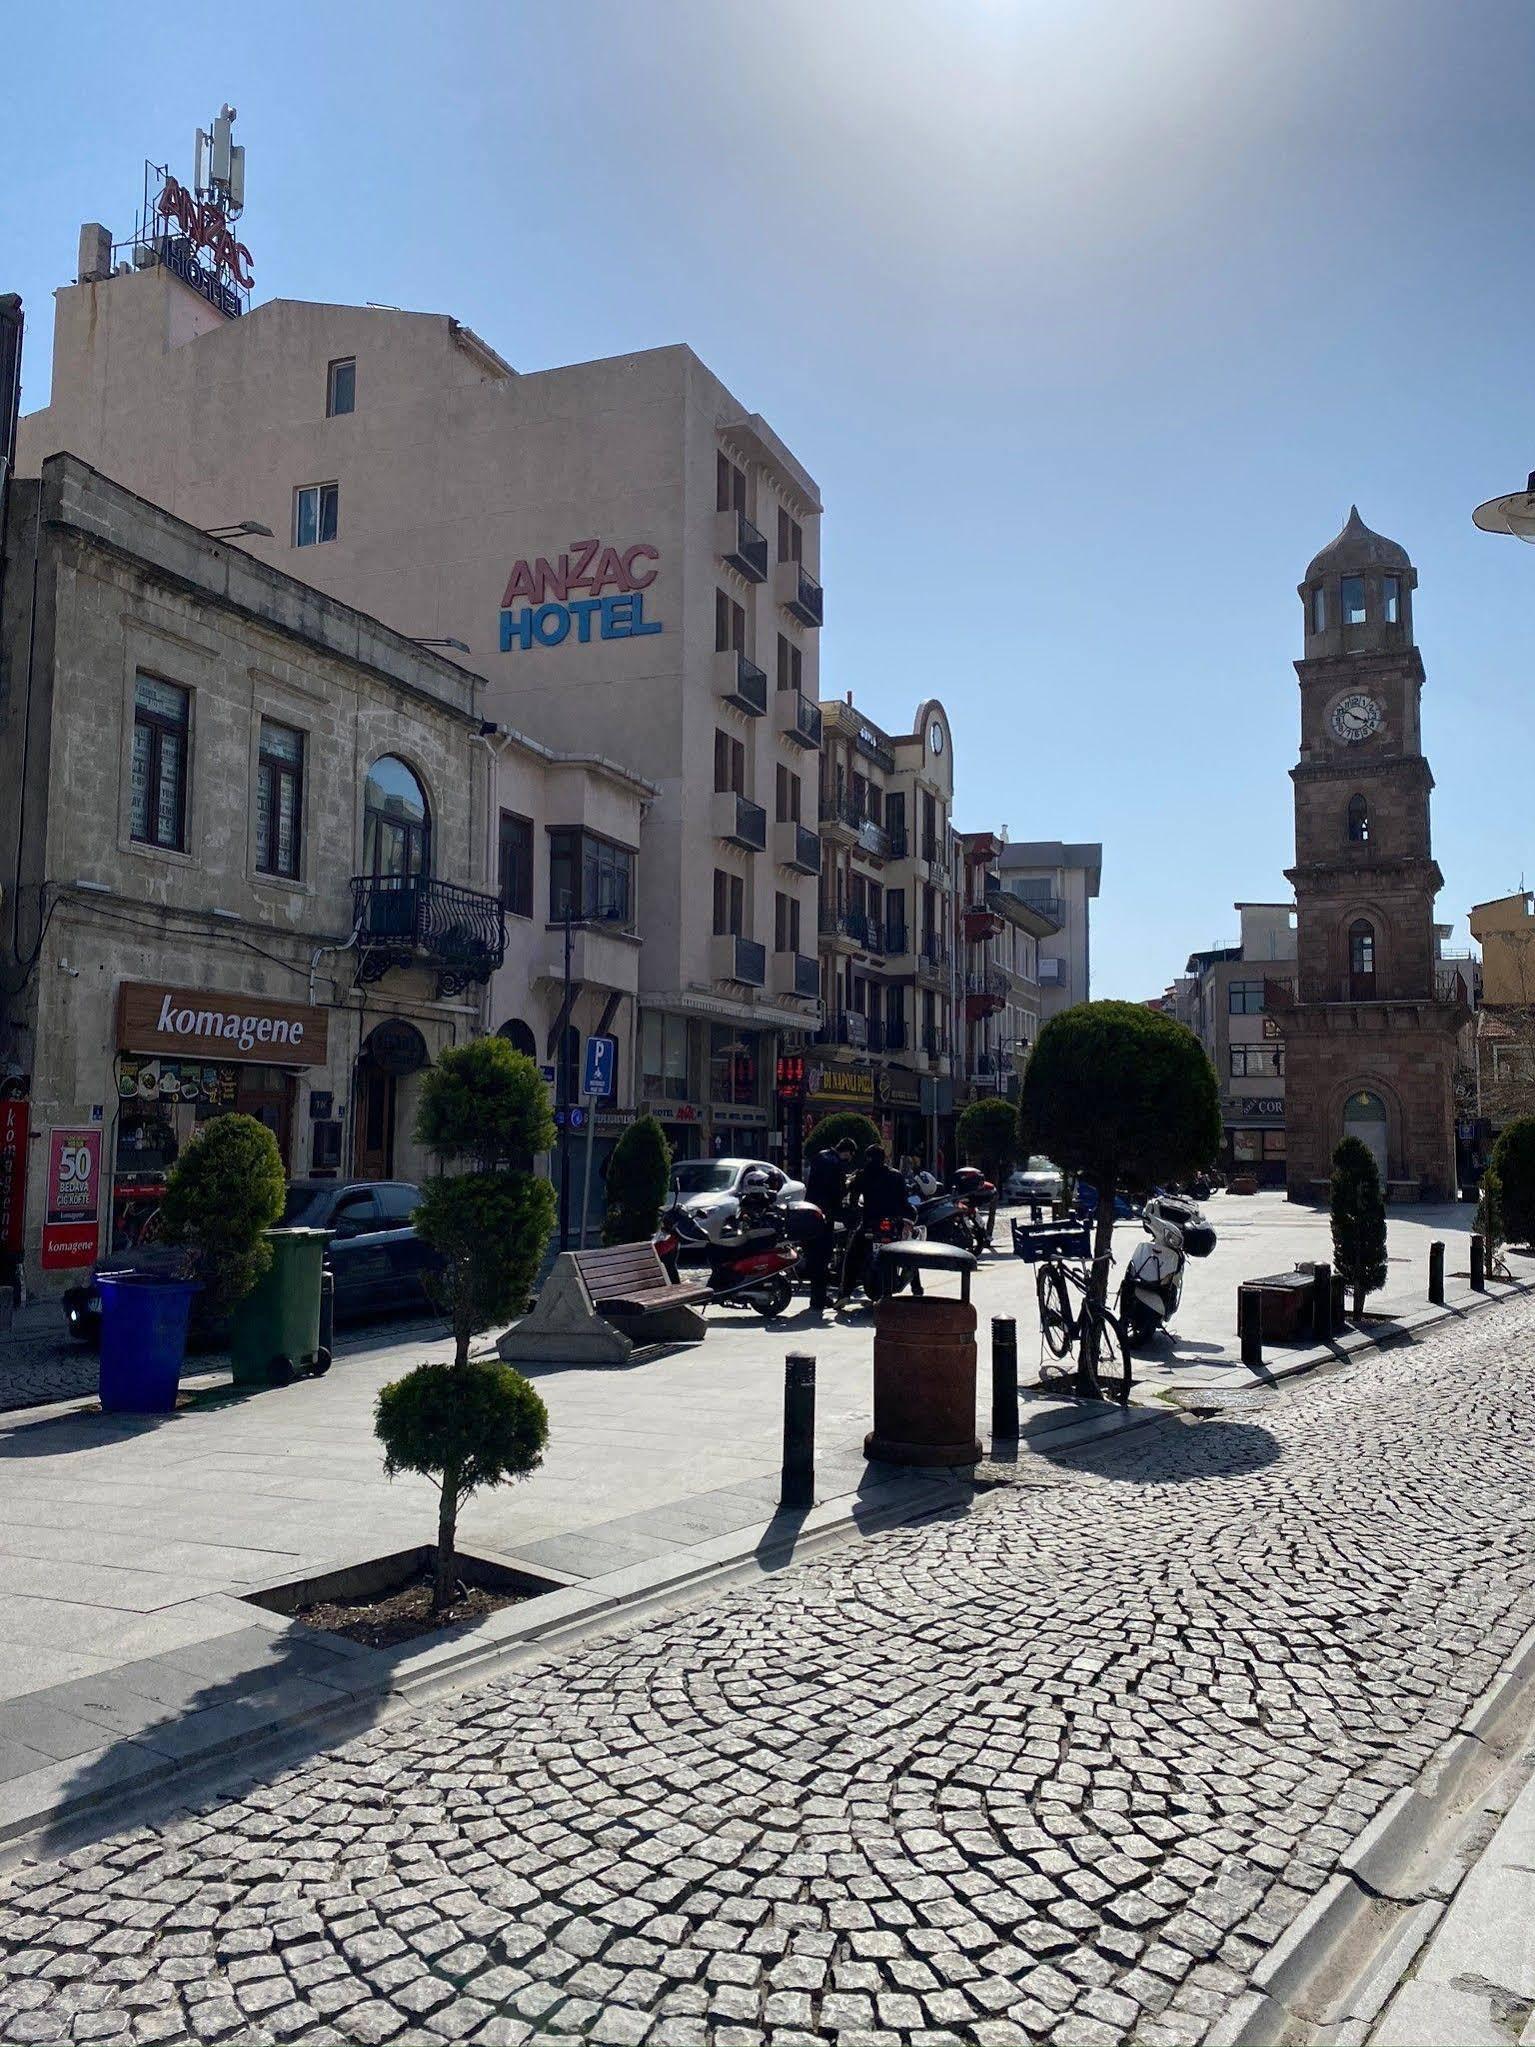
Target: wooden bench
<point x="594" y="1305"/>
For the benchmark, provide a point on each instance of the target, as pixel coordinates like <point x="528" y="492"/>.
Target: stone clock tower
<point x="1369" y="1046"/>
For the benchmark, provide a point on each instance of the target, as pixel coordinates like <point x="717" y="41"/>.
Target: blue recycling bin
<point x="143" y="1340"/>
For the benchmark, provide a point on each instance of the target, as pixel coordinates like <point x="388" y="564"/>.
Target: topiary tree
<point x="639" y="1181"/>
<point x="470" y="1425"/>
<point x="1358" y="1206"/>
<point x="221" y="1197"/>
<point x="1489" y="1214"/>
<point x="1513" y="1167"/>
<point x="987" y="1135"/>
<point x="1115" y="1092"/>
<point x="845" y="1123"/>
<point x="464" y="1426"/>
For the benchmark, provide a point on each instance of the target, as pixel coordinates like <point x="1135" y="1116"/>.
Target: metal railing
<point x="748" y="686"/>
<point x="801" y="719"/>
<point x="745" y="822"/>
<point x="460" y="931"/>
<point x="748" y="551"/>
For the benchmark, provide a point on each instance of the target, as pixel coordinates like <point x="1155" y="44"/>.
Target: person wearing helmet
<point x="881" y="1196"/>
<point x="826" y="1187"/>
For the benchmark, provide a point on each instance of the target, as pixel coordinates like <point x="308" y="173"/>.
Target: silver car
<point x="1039" y="1180"/>
<point x="709" y="1190"/>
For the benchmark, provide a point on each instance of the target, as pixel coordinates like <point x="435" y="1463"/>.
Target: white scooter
<point x="1153" y="1283"/>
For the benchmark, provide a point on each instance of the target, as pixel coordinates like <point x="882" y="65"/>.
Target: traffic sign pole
<point x="596" y="1083"/>
<point x="586" y="1178"/>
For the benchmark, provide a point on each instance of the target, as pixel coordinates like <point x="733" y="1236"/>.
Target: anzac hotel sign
<point x="198" y="1023"/>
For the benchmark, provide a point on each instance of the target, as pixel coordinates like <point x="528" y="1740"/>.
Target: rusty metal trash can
<point x="924" y="1383"/>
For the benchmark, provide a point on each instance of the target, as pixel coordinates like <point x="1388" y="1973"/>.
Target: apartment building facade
<point x="626" y="552"/>
<point x="1060" y="880"/>
<point x="1224" y="997"/>
<point x="1001" y="934"/>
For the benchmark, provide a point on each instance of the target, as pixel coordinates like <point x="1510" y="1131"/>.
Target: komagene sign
<point x="203" y="1023"/>
<point x="592" y="591"/>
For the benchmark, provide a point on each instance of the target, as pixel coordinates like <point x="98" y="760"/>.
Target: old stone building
<point x="1370" y="1029"/>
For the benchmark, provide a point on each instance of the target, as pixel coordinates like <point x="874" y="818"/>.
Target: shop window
<point x="341" y="387"/>
<point x="279" y="799"/>
<point x="1273" y="1144"/>
<point x="516" y="864"/>
<point x="162" y="716"/>
<point x="732" y="1067"/>
<point x="1351" y="600"/>
<point x="315" y="512"/>
<point x="664" y="1056"/>
<point x="1359" y="820"/>
<point x="591" y="878"/>
<point x="1247" y="1147"/>
<point x="396" y="828"/>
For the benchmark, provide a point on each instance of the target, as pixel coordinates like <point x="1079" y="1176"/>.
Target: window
<point x="791" y="663"/>
<point x="398" y="1204"/>
<point x="895" y="816"/>
<point x="1245" y="998"/>
<point x="279" y="799"/>
<point x="341" y="387"/>
<point x="730" y="485"/>
<point x="1319" y="609"/>
<point x="729" y="904"/>
<point x="729" y="763"/>
<point x="1257" y="1062"/>
<point x="595" y="876"/>
<point x="516" y="864"/>
<point x="664" y="1056"/>
<point x="396" y="825"/>
<point x="785" y="922"/>
<point x="732" y="1067"/>
<point x="791" y="541"/>
<point x="1351" y="597"/>
<point x="729" y="625"/>
<point x="929" y="825"/>
<point x="1391" y="599"/>
<point x="1359" y="820"/>
<point x="162" y="715"/>
<point x="1361" y="959"/>
<point x="895" y="920"/>
<point x="314" y="513"/>
<point x="790" y="795"/>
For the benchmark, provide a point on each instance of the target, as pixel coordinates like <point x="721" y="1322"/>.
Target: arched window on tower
<point x="1359" y="820"/>
<point x="1361" y="960"/>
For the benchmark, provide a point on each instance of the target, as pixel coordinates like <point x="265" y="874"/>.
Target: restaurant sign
<point x="590" y="592"/>
<point x="203" y="1023"/>
<point x="841" y="1084"/>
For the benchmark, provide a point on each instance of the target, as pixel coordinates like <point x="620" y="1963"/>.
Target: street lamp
<point x="244" y="528"/>
<point x="1513" y="514"/>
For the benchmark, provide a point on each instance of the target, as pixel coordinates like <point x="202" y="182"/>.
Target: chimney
<point x="95" y="253"/>
<point x="850" y="697"/>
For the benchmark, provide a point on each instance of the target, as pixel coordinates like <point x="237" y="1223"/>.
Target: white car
<point x="1039" y="1180"/>
<point x="709" y="1190"/>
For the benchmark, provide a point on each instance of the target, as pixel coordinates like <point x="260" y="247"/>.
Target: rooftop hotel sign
<point x="591" y="592"/>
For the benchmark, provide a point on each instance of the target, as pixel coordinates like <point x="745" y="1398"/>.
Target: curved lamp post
<point x="1513" y="514"/>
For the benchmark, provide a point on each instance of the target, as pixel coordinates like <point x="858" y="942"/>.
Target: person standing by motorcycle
<point x="881" y="1196"/>
<point x="826" y="1186"/>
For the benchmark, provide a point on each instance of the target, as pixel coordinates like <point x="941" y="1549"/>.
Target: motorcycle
<point x="859" y="1264"/>
<point x="938" y="1213"/>
<point x="751" y="1265"/>
<point x="977" y="1199"/>
<point x="1152" y="1287"/>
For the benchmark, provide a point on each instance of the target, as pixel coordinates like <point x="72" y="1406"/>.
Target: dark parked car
<point x="378" y="1260"/>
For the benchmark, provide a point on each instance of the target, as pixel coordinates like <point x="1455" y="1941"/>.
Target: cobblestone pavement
<point x="1063" y="1769"/>
<point x="35" y="1371"/>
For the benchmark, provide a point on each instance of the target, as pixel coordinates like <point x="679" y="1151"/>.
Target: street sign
<point x="601" y="1066"/>
<point x="578" y="1116"/>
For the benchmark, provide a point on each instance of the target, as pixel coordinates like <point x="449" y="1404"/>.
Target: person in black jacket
<point x="826" y="1186"/>
<point x="882" y="1196"/>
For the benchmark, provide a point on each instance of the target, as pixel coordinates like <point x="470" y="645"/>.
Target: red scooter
<point x="752" y="1265"/>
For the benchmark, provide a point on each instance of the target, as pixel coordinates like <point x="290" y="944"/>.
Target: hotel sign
<point x="202" y="1023"/>
<point x="592" y="591"/>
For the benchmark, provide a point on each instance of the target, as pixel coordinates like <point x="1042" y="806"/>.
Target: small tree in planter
<point x="221" y="1197"/>
<point x="639" y="1180"/>
<point x="1512" y="1169"/>
<point x="1489" y="1214"/>
<point x="468" y="1425"/>
<point x="844" y="1123"/>
<point x="1358" y="1205"/>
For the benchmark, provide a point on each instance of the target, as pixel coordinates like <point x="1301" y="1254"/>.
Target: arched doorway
<point x="519" y="1037"/>
<point x="1364" y="1117"/>
<point x="392" y="1049"/>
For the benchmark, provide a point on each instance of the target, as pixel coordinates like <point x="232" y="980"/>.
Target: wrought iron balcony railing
<point x="414" y="921"/>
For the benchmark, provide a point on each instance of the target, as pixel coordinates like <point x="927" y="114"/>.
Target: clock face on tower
<point x="1356" y="716"/>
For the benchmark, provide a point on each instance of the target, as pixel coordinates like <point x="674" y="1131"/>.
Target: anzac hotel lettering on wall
<point x="590" y="592"/>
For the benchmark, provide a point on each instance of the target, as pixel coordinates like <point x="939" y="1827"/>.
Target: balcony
<point x="982" y="921"/>
<point x="874" y="748"/>
<point x="739" y="821"/>
<point x="741" y="683"/>
<point x="740" y="546"/>
<point x="897" y="941"/>
<point x="1040" y="920"/>
<point x="848" y="1029"/>
<point x="413" y="921"/>
<point x="734" y="958"/>
<point x="799" y="720"/>
<point x="839" y="821"/>
<point x="837" y="932"/>
<point x="797" y="974"/>
<point x="933" y="962"/>
<point x="934" y="1045"/>
<point x="797" y="846"/>
<point x="985" y="992"/>
<point x="873" y="839"/>
<point x="898" y="844"/>
<point x="896" y="1036"/>
<point x="799" y="592"/>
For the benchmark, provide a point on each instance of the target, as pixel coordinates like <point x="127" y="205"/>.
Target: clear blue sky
<point x="1091" y="320"/>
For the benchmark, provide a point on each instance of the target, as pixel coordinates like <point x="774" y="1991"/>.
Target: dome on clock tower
<point x="1358" y="593"/>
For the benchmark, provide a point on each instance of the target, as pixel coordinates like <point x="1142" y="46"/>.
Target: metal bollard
<point x="1478" y="1264"/>
<point x="1004" y="1379"/>
<point x="1252" y="1327"/>
<point x="1321" y="1304"/>
<point x="797" y="1484"/>
<point x="1436" y="1274"/>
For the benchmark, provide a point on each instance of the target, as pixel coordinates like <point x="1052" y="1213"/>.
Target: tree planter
<point x="376" y="1580"/>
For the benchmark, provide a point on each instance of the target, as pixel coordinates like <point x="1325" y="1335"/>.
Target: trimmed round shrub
<point x="1513" y="1168"/>
<point x="843" y="1123"/>
<point x="639" y="1182"/>
<point x="221" y="1197"/>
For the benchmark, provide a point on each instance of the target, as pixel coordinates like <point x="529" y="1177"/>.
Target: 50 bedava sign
<point x="73" y="1198"/>
<point x="590" y="592"/>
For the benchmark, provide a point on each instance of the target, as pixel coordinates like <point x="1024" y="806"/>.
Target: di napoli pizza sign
<point x="593" y="591"/>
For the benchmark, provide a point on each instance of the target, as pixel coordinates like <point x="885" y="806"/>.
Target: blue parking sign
<point x="601" y="1066"/>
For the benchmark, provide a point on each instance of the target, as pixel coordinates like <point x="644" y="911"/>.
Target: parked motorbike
<point x="977" y="1199"/>
<point x="752" y="1265"/>
<point x="937" y="1213"/>
<point x="859" y="1264"/>
<point x="1153" y="1283"/>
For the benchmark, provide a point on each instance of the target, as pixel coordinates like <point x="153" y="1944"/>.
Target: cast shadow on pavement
<point x="1208" y="1448"/>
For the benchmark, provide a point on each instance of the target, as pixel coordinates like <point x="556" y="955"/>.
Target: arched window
<point x="1361" y="960"/>
<point x="1359" y="820"/>
<point x="520" y="1038"/>
<point x="396" y="825"/>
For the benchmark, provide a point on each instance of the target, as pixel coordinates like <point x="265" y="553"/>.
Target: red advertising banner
<point x="15" y="1122"/>
<point x="73" y="1195"/>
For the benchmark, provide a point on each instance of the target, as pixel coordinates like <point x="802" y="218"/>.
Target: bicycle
<point x="1093" y="1330"/>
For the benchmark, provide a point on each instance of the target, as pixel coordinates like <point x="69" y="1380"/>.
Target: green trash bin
<point x="276" y="1329"/>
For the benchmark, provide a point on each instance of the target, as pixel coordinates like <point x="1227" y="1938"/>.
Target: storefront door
<point x="375" y="1123"/>
<point x="267" y="1094"/>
